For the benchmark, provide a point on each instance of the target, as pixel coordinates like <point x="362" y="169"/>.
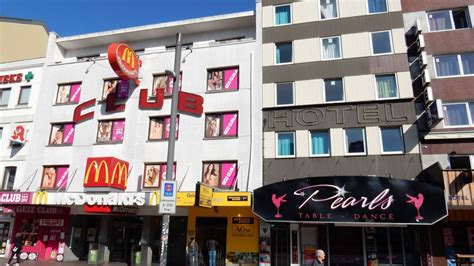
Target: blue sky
<point x="72" y="17"/>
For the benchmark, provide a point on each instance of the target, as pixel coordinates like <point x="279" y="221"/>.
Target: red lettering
<point x="6" y="79"/>
<point x="78" y="117"/>
<point x="19" y="77"/>
<point x="190" y="103"/>
<point x="157" y="104"/>
<point x="110" y="105"/>
<point x="12" y="78"/>
<point x="1" y="79"/>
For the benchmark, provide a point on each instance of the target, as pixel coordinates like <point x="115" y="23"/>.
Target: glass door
<point x="280" y="244"/>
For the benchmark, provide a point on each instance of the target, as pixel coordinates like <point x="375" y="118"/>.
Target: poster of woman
<point x="156" y="129"/>
<point x="160" y="82"/>
<point x="57" y="135"/>
<point x="212" y="126"/>
<point x="152" y="176"/>
<point x="49" y="178"/>
<point x="109" y="87"/>
<point x="105" y="130"/>
<point x="210" y="174"/>
<point x="214" y="80"/>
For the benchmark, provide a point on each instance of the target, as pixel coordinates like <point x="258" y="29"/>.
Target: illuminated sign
<point x="15" y="197"/>
<point x="204" y="195"/>
<point x="124" y="199"/>
<point x="19" y="134"/>
<point x="124" y="61"/>
<point x="106" y="172"/>
<point x="40" y="197"/>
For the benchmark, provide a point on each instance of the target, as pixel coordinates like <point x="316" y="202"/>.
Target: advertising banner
<point x="230" y="124"/>
<point x="15" y="197"/>
<point x="75" y="93"/>
<point x="231" y="79"/>
<point x="229" y="174"/>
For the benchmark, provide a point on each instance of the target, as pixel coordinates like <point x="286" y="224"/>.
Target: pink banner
<point x="16" y="197"/>
<point x="118" y="130"/>
<point x="163" y="172"/>
<point x="63" y="173"/>
<point x="75" y="93"/>
<point x="231" y="79"/>
<point x="68" y="133"/>
<point x="167" y="124"/>
<point x="229" y="174"/>
<point x="122" y="88"/>
<point x="230" y="124"/>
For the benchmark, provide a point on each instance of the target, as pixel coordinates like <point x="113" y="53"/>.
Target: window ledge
<point x="108" y="143"/>
<point x="449" y="135"/>
<point x="221" y="138"/>
<point x="59" y="145"/>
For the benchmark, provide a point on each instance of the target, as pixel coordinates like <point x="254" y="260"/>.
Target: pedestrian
<point x="193" y="251"/>
<point x="320" y="256"/>
<point x="212" y="248"/>
<point x="16" y="249"/>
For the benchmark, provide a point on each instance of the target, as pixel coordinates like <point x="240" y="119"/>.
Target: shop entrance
<point x="125" y="236"/>
<point x="208" y="228"/>
<point x="4" y="233"/>
<point x="280" y="244"/>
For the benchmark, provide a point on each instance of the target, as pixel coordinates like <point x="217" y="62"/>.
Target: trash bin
<point x="92" y="256"/>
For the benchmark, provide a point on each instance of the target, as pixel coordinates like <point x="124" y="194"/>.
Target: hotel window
<point x="381" y="42"/>
<point x="392" y="140"/>
<point x="284" y="52"/>
<point x="9" y="178"/>
<point x="454" y="65"/>
<point x="328" y="9"/>
<point x="111" y="131"/>
<point x="458" y="114"/>
<point x="221" y="125"/>
<point x="117" y="86"/>
<point x="284" y="94"/>
<point x="331" y="48"/>
<point x="62" y="134"/>
<point x="449" y="19"/>
<point x="282" y="15"/>
<point x="221" y="175"/>
<point x="377" y="6"/>
<point x="68" y="93"/>
<point x="285" y="144"/>
<point x="386" y="86"/>
<point x="160" y="128"/>
<point x="24" y="95"/>
<point x="224" y="79"/>
<point x="355" y="141"/>
<point x="4" y="96"/>
<point x="333" y="90"/>
<point x="55" y="177"/>
<point x="164" y="82"/>
<point x="154" y="173"/>
<point x="320" y="143"/>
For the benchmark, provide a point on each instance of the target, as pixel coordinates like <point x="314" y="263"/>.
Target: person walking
<point x="16" y="249"/>
<point x="320" y="256"/>
<point x="193" y="251"/>
<point x="212" y="248"/>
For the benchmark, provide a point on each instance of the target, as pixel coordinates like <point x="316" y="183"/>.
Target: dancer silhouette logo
<point x="417" y="202"/>
<point x="277" y="202"/>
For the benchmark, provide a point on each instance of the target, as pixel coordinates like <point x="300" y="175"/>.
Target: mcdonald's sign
<point x="154" y="198"/>
<point x="106" y="172"/>
<point x="40" y="198"/>
<point x="124" y="61"/>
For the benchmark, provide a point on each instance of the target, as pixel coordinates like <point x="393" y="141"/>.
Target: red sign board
<point x="13" y="78"/>
<point x="124" y="61"/>
<point x="110" y="209"/>
<point x="106" y="172"/>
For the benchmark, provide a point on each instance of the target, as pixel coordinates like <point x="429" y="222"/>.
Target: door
<point x="4" y="233"/>
<point x="212" y="228"/>
<point x="280" y="244"/>
<point x="125" y="237"/>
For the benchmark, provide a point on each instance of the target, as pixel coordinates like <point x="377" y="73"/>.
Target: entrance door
<point x="125" y="236"/>
<point x="280" y="244"/>
<point x="4" y="233"/>
<point x="208" y="228"/>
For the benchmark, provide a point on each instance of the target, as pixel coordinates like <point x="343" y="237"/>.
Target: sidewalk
<point x="3" y="261"/>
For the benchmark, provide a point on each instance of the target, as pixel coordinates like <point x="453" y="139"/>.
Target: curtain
<point x="283" y="53"/>
<point x="455" y="114"/>
<point x="447" y="66"/>
<point x="285" y="144"/>
<point x="319" y="143"/>
<point x="386" y="86"/>
<point x="331" y="49"/>
<point x="282" y="15"/>
<point x="376" y="6"/>
<point x="467" y="63"/>
<point x="439" y="21"/>
<point x="328" y="9"/>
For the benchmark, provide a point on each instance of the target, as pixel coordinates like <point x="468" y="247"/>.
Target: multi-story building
<point x="84" y="142"/>
<point x="441" y="54"/>
<point x="340" y="132"/>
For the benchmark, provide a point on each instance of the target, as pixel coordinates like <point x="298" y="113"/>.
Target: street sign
<point x="168" y="197"/>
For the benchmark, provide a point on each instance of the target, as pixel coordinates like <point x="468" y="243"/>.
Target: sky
<point x="74" y="17"/>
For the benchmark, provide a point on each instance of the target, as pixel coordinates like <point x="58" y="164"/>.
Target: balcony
<point x="459" y="188"/>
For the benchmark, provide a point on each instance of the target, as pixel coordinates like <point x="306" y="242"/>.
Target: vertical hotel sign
<point x="124" y="61"/>
<point x="106" y="172"/>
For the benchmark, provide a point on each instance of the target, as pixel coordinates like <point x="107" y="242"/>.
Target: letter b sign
<point x="190" y="103"/>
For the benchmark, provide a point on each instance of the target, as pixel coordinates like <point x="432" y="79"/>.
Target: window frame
<point x="368" y="9"/>
<point x="346" y="147"/>
<point x="343" y="91"/>
<point x="111" y="131"/>
<point x="468" y="111"/>
<point x="337" y="11"/>
<point x="118" y="80"/>
<point x="221" y="69"/>
<point x="221" y="125"/>
<point x="451" y="19"/>
<point x="220" y="175"/>
<point x="293" y="133"/>
<point x="63" y="124"/>
<point x="397" y="96"/>
<point x="9" y="96"/>
<point x="6" y="180"/>
<point x="163" y="129"/>
<point x="274" y="15"/>
<point x="322" y="48"/>
<point x="160" y="177"/>
<point x="292" y="93"/>
<point x="292" y="53"/>
<point x="22" y="88"/>
<point x="400" y="131"/>
<point x="459" y="63"/>
<point x="54" y="187"/>
<point x="372" y="43"/>
<point x="311" y="154"/>
<point x="70" y="84"/>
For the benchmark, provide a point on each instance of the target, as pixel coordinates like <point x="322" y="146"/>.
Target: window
<point x="286" y="144"/>
<point x="458" y="114"/>
<point x="9" y="178"/>
<point x="4" y="96"/>
<point x="392" y="140"/>
<point x="69" y="93"/>
<point x="160" y="128"/>
<point x="333" y="90"/>
<point x="320" y="143"/>
<point x="24" y="95"/>
<point x="154" y="173"/>
<point x="221" y="125"/>
<point x="377" y="6"/>
<point x="117" y="86"/>
<point x="454" y="65"/>
<point x="55" y="177"/>
<point x="386" y="86"/>
<point x="222" y="175"/>
<point x="164" y="82"/>
<point x="448" y="19"/>
<point x="62" y="134"/>
<point x="381" y="42"/>
<point x="282" y="15"/>
<point x="111" y="131"/>
<point x="355" y="141"/>
<point x="331" y="48"/>
<point x="284" y="93"/>
<point x="328" y="9"/>
<point x="284" y="52"/>
<point x="226" y="79"/>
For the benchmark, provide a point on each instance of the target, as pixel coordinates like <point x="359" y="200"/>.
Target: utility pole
<point x="171" y="144"/>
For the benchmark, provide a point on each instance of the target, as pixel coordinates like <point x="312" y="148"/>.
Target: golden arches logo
<point x="122" y="170"/>
<point x="154" y="198"/>
<point x="128" y="57"/>
<point x="97" y="167"/>
<point x="41" y="197"/>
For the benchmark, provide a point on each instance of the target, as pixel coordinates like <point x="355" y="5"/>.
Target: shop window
<point x="4" y="97"/>
<point x="377" y="6"/>
<point x="284" y="53"/>
<point x="117" y="86"/>
<point x="331" y="48"/>
<point x="221" y="125"/>
<point x="386" y="86"/>
<point x="454" y="65"/>
<point x="154" y="173"/>
<point x="392" y="140"/>
<point x="320" y="143"/>
<point x="381" y="42"/>
<point x="449" y="19"/>
<point x="62" y="134"/>
<point x="328" y="9"/>
<point x="282" y="15"/>
<point x="29" y="231"/>
<point x="9" y="178"/>
<point x="284" y="94"/>
<point x="224" y="79"/>
<point x="333" y="90"/>
<point x="160" y="128"/>
<point x="24" y="95"/>
<point x="68" y="93"/>
<point x="285" y="144"/>
<point x="221" y="175"/>
<point x="164" y="82"/>
<point x="355" y="141"/>
<point x="111" y="131"/>
<point x="55" y="177"/>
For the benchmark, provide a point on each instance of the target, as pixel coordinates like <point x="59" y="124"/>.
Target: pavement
<point x="3" y="261"/>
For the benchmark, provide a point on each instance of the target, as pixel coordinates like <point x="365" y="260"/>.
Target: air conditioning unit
<point x="425" y="78"/>
<point x="423" y="60"/>
<point x="420" y="41"/>
<point x="417" y="26"/>
<point x="435" y="113"/>
<point x="428" y="95"/>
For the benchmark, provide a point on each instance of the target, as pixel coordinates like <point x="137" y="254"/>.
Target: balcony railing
<point x="459" y="188"/>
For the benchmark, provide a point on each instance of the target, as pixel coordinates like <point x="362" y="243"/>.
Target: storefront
<point x="355" y="220"/>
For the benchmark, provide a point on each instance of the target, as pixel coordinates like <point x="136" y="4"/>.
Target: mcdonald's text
<point x="125" y="199"/>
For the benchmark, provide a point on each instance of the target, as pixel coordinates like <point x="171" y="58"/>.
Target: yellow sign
<point x="40" y="197"/>
<point x="205" y="196"/>
<point x="246" y="230"/>
<point x="154" y="198"/>
<point x="231" y="199"/>
<point x="185" y="198"/>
